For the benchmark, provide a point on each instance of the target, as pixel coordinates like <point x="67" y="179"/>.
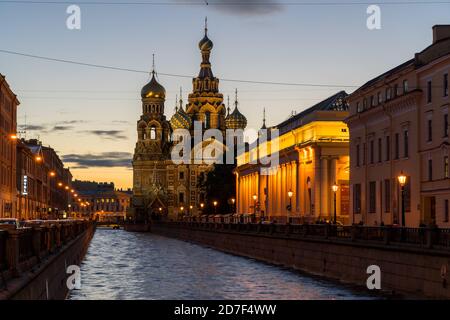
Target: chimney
<point x="441" y="32"/>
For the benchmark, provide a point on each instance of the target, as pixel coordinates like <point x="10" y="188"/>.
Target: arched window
<point x="207" y="120"/>
<point x="152" y="133"/>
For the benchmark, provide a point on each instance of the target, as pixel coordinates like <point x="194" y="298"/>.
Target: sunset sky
<point x="89" y="114"/>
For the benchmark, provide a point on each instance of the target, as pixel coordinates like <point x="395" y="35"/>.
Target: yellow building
<point x="313" y="152"/>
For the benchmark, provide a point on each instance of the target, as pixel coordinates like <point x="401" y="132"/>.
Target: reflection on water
<point x="123" y="265"/>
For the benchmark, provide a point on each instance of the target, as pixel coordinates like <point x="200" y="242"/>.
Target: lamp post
<point x="402" y="182"/>
<point x="255" y="198"/>
<point x="182" y="212"/>
<point x="290" y="194"/>
<point x="215" y="207"/>
<point x="233" y="202"/>
<point x="335" y="188"/>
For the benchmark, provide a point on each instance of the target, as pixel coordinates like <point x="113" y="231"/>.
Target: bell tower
<point x="205" y="103"/>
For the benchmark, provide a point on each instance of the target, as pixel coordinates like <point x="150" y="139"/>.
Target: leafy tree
<point x="220" y="186"/>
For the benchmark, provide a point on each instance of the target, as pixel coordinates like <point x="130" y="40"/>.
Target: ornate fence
<point x="412" y="237"/>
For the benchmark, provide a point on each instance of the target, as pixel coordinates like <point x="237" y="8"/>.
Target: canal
<point x="123" y="265"/>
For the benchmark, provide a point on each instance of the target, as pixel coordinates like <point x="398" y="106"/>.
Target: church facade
<point x="161" y="187"/>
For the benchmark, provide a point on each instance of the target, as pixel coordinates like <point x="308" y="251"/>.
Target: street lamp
<point x="233" y="201"/>
<point x="202" y="205"/>
<point x="402" y="182"/>
<point x="215" y="207"/>
<point x="190" y="209"/>
<point x="52" y="174"/>
<point x="290" y="194"/>
<point x="335" y="188"/>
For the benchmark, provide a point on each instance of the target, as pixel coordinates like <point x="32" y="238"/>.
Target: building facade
<point x="100" y="201"/>
<point x="43" y="185"/>
<point x="160" y="186"/>
<point x="398" y="125"/>
<point x="8" y="128"/>
<point x="313" y="151"/>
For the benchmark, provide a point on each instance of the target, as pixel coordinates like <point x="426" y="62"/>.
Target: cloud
<point x="244" y="7"/>
<point x="62" y="128"/>
<point x="109" y="134"/>
<point x="32" y="127"/>
<point x="105" y="159"/>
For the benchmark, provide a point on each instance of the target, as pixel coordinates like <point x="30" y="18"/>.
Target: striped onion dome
<point x="181" y="120"/>
<point x="236" y="120"/>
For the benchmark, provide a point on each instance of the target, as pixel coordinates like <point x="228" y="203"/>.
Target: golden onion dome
<point x="236" y="120"/>
<point x="181" y="120"/>
<point x="153" y="89"/>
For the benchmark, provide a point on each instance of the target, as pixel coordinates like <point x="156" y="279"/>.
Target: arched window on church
<point x="152" y="133"/>
<point x="207" y="120"/>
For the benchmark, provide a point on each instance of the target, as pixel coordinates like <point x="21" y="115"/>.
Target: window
<point x="372" y="151"/>
<point x="372" y="101"/>
<point x="153" y="133"/>
<point x="429" y="92"/>
<point x="430" y="170"/>
<point x="364" y="103"/>
<point x="388" y="94"/>
<point x="430" y="130"/>
<point x="396" y="91"/>
<point x="406" y="143"/>
<point x="364" y="154"/>
<point x="357" y="198"/>
<point x="380" y="99"/>
<point x="358" y="107"/>
<point x="446" y="210"/>
<point x="181" y="175"/>
<point x="388" y="148"/>
<point x="207" y="120"/>
<point x="397" y="146"/>
<point x="445" y="125"/>
<point x="446" y="167"/>
<point x="405" y="86"/>
<point x="408" y="194"/>
<point x="445" y="85"/>
<point x="380" y="150"/>
<point x="387" y="195"/>
<point x="181" y="197"/>
<point x="357" y="155"/>
<point x="372" y="196"/>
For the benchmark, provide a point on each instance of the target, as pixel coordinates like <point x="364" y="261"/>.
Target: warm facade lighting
<point x="13" y="136"/>
<point x="52" y="173"/>
<point x="255" y="197"/>
<point x="290" y="193"/>
<point x="38" y="158"/>
<point x="60" y="184"/>
<point x="215" y="203"/>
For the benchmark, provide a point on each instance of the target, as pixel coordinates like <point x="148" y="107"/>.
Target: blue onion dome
<point x="181" y="120"/>
<point x="153" y="89"/>
<point x="236" y="120"/>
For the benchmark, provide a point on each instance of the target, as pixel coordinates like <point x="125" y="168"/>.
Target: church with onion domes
<point x="161" y="187"/>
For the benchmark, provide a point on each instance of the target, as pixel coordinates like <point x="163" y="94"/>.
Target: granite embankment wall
<point x="413" y="264"/>
<point x="34" y="260"/>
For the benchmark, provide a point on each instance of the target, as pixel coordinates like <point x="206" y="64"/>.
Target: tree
<point x="220" y="186"/>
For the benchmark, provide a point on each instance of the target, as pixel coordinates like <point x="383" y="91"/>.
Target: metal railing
<point x="426" y="237"/>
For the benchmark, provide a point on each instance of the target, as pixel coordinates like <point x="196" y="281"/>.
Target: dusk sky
<point x="89" y="114"/>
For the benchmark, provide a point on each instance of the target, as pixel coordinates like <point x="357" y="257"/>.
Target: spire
<point x="181" y="98"/>
<point x="206" y="26"/>
<point x="236" y="99"/>
<point x="176" y="103"/>
<point x="228" y="105"/>
<point x="264" y="119"/>
<point x="153" y="65"/>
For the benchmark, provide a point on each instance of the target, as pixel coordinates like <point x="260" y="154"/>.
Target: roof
<point x="334" y="103"/>
<point x="387" y="73"/>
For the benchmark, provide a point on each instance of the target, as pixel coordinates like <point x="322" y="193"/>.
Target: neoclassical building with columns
<point x="313" y="151"/>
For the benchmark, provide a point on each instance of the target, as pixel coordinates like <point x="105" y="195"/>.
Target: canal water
<point x="124" y="265"/>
